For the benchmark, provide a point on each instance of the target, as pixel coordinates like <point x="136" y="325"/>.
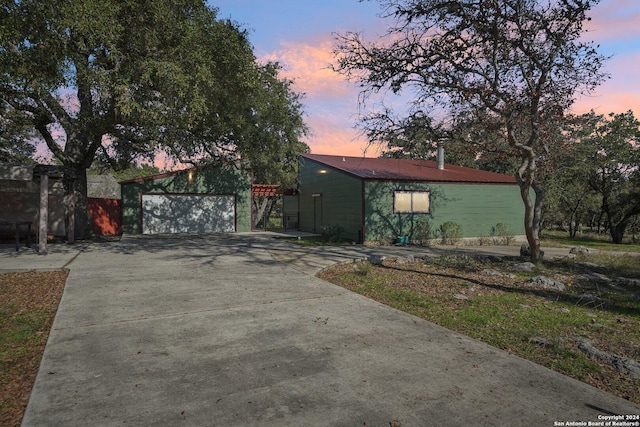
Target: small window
<point x="412" y="202"/>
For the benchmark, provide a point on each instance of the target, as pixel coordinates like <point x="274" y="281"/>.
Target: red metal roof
<point x="264" y="189"/>
<point x="408" y="170"/>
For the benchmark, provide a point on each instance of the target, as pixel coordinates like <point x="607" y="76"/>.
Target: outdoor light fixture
<point x="190" y="176"/>
<point x="323" y="171"/>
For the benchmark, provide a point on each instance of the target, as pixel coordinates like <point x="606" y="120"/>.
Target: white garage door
<point x="180" y="213"/>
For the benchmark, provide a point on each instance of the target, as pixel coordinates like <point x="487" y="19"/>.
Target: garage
<point x="208" y="199"/>
<point x="193" y="213"/>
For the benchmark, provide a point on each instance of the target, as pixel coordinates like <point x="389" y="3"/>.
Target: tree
<point x="516" y="64"/>
<point x="613" y="159"/>
<point x="569" y="199"/>
<point x="125" y="80"/>
<point x="469" y="143"/>
<point x="15" y="135"/>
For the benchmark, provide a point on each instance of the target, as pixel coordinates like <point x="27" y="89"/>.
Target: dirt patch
<point x="28" y="303"/>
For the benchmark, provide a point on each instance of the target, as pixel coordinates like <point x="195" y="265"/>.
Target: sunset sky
<point x="299" y="35"/>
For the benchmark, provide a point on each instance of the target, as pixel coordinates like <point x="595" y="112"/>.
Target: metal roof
<point x="268" y="190"/>
<point x="408" y="170"/>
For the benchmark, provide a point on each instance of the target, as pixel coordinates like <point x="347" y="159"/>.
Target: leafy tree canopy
<point x="127" y="79"/>
<point x="515" y="65"/>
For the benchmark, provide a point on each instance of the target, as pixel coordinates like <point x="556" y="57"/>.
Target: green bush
<point x="421" y="233"/>
<point x="333" y="233"/>
<point x="450" y="233"/>
<point x="502" y="235"/>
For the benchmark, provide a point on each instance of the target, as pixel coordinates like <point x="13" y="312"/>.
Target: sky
<point x="300" y="35"/>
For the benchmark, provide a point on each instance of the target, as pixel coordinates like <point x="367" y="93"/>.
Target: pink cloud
<point x="309" y="65"/>
<point x="614" y="20"/>
<point x="618" y="94"/>
<point x="332" y="137"/>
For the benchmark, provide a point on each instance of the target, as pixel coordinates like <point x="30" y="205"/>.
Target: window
<point x="412" y="202"/>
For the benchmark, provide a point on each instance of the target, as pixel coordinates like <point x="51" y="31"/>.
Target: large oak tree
<point x="124" y="80"/>
<point x="514" y="64"/>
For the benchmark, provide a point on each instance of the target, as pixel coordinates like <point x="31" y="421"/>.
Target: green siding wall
<point x="476" y="207"/>
<point x="339" y="201"/>
<point x="211" y="180"/>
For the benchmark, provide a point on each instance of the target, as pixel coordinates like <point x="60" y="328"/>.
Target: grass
<point x="28" y="303"/>
<point x="312" y="241"/>
<point x="542" y="326"/>
<point x="589" y="240"/>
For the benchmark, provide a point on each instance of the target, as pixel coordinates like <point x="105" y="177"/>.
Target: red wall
<point x="106" y="216"/>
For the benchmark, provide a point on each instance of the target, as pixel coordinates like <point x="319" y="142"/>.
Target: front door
<point x="317" y="214"/>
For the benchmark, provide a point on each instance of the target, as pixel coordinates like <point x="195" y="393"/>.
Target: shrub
<point x="485" y="240"/>
<point x="333" y="233"/>
<point x="501" y="235"/>
<point x="450" y="232"/>
<point x="421" y="233"/>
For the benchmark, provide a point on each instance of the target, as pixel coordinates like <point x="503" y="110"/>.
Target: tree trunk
<point x="76" y="187"/>
<point x="617" y="233"/>
<point x="532" y="210"/>
<point x="259" y="210"/>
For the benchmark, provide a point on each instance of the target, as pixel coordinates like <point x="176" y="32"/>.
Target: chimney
<point x="441" y="155"/>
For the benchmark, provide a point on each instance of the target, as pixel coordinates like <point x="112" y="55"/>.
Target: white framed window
<point x="410" y="202"/>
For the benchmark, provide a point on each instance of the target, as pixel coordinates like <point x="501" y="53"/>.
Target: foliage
<point x="133" y="172"/>
<point x="333" y="233"/>
<point x="595" y="174"/>
<point x="469" y="144"/>
<point x="502" y="235"/>
<point x="123" y="81"/>
<point x="614" y="156"/>
<point x="450" y="232"/>
<point x="15" y="134"/>
<point x="422" y="232"/>
<point x="513" y="65"/>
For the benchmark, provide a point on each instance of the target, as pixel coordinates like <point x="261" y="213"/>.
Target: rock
<point x="541" y="341"/>
<point x="579" y="250"/>
<point x="564" y="310"/>
<point x="590" y="265"/>
<point x="587" y="297"/>
<point x="491" y="272"/>
<point x="621" y="364"/>
<point x="377" y="259"/>
<point x="410" y="258"/>
<point x="401" y="260"/>
<point x="524" y="307"/>
<point x="598" y="278"/>
<point x="544" y="282"/>
<point x="628" y="282"/>
<point x="525" y="266"/>
<point x="461" y="297"/>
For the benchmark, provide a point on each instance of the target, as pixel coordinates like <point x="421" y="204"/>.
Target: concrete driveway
<point x="229" y="330"/>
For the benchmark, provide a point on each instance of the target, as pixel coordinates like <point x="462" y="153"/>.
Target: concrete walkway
<point x="234" y="330"/>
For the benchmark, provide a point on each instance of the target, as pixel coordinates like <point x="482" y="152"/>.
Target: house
<point x="378" y="199"/>
<point x="199" y="200"/>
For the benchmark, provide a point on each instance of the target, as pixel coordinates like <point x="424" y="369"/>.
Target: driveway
<point x="229" y="330"/>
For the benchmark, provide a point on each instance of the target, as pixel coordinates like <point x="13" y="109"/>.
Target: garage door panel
<point x="179" y="213"/>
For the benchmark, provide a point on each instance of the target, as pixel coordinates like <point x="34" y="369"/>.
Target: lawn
<point x="28" y="304"/>
<point x="589" y="240"/>
<point x="488" y="301"/>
